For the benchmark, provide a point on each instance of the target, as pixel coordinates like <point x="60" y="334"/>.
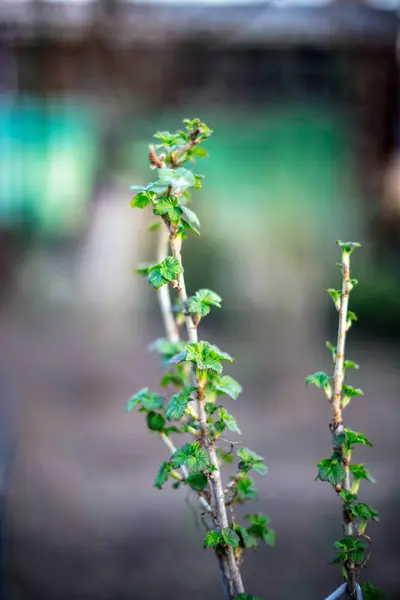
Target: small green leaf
<point x="136" y="399"/>
<point x="350" y="364"/>
<point x="247" y="540"/>
<point x="269" y="537"/>
<point x="228" y="385"/>
<point x="336" y="296"/>
<point x="155" y="421"/>
<point x="201" y="302"/>
<point x="224" y="455"/>
<point x="213" y="538"/>
<point x="197" y="481"/>
<point x="181" y="456"/>
<point x="364" y="511"/>
<point x="353" y="437"/>
<point x="155" y="277"/>
<point x="230" y="537"/>
<point x="348" y="496"/>
<point x="330" y="469"/>
<point x="199" y="460"/>
<point x="333" y="349"/>
<point x="178" y="403"/>
<point x="246" y="488"/>
<point x="162" y="476"/>
<point x="229" y="420"/>
<point x="180" y="179"/>
<point x="190" y="217"/>
<point x="321" y="379"/>
<point x="348" y="247"/>
<point x="144" y="269"/>
<point x="360" y="472"/>
<point x="348" y="393"/>
<point x="141" y="200"/>
<point x="154" y="225"/>
<point x="247" y="597"/>
<point x="251" y="460"/>
<point x="370" y="592"/>
<point x="170" y="268"/>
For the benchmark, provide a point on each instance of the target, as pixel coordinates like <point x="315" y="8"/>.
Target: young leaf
<point x="247" y="540"/>
<point x="168" y="205"/>
<point x="247" y="597"/>
<point x="353" y="437"/>
<point x="364" y="511"/>
<point x="229" y="420"/>
<point x="155" y="277"/>
<point x="348" y="247"/>
<point x="170" y="268"/>
<point x="245" y="488"/>
<point x="348" y="393"/>
<point x="329" y="469"/>
<point x="136" y="399"/>
<point x="178" y="403"/>
<point x="162" y="475"/>
<point x="180" y="179"/>
<point x="360" y="472"/>
<point x="181" y="456"/>
<point x="199" y="460"/>
<point x="227" y="385"/>
<point x="197" y="481"/>
<point x="321" y="379"/>
<point x="370" y="592"/>
<point x="190" y="217"/>
<point x="348" y="496"/>
<point x="251" y="460"/>
<point x="336" y="296"/>
<point x="141" y="200"/>
<point x="155" y="421"/>
<point x="333" y="349"/>
<point x="230" y="537"/>
<point x="213" y="538"/>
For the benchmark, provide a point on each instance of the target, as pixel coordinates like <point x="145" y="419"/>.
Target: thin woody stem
<point x="337" y="426"/>
<point x="164" y="298"/>
<point x="234" y="576"/>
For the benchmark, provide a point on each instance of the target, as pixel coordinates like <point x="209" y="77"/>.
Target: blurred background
<point x="303" y="96"/>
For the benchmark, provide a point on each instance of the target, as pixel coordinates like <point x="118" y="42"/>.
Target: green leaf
<point x="336" y="296"/>
<point x="251" y="460"/>
<point x="149" y="400"/>
<point x="330" y="469"/>
<point x="348" y="496"/>
<point x="154" y="225"/>
<point x="370" y="592"/>
<point x="197" y="481"/>
<point x="350" y="549"/>
<point x="349" y="392"/>
<point x="259" y="528"/>
<point x="204" y="356"/>
<point x="350" y="364"/>
<point x="168" y="205"/>
<point x="348" y="247"/>
<point x="213" y="538"/>
<point x="140" y="200"/>
<point x="353" y="437"/>
<point x="360" y="472"/>
<point x="178" y="358"/>
<point x="190" y="217"/>
<point x="364" y="511"/>
<point x="247" y="597"/>
<point x="199" y="460"/>
<point x="230" y="537"/>
<point x="162" y="476"/>
<point x="229" y="420"/>
<point x="333" y="349"/>
<point x="170" y="268"/>
<point x="247" y="540"/>
<point x="181" y="456"/>
<point x="201" y="302"/>
<point x="155" y="421"/>
<point x="321" y="379"/>
<point x="228" y="385"/>
<point x="155" y="277"/>
<point x="224" y="455"/>
<point x="246" y="489"/>
<point x="180" y="179"/>
<point x="269" y="538"/>
<point x="178" y="403"/>
<point x="144" y="269"/>
<point x="136" y="399"/>
<point x="166" y="347"/>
